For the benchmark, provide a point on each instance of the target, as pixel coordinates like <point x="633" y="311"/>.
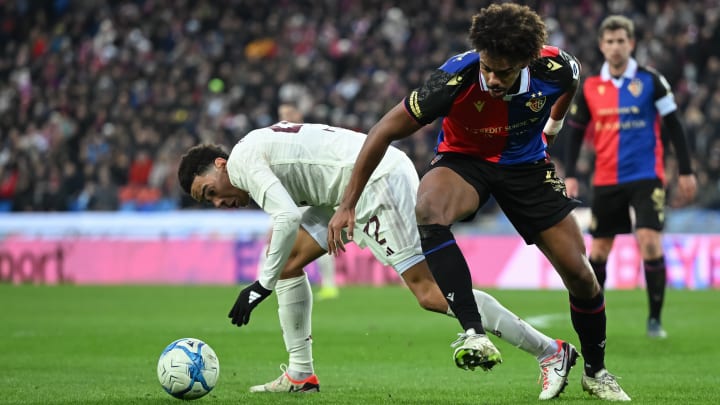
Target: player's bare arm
<point x="557" y="114"/>
<point x="395" y="124"/>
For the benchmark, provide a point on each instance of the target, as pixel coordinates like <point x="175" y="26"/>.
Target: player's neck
<point x="618" y="70"/>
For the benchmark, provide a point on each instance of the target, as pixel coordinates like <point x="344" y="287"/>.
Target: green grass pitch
<point x="92" y="345"/>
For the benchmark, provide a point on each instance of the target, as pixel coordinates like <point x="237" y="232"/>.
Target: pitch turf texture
<point x="85" y="345"/>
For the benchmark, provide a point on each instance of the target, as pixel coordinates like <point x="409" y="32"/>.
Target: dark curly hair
<point x="509" y="31"/>
<point x="196" y="161"/>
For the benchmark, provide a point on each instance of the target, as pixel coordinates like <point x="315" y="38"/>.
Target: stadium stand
<point x="98" y="99"/>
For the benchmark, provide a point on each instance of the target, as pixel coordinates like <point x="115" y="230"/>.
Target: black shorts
<point x="611" y="207"/>
<point x="531" y="195"/>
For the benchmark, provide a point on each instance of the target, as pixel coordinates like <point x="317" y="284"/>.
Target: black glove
<point x="248" y="299"/>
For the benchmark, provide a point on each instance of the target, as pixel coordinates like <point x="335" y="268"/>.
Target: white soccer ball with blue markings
<point x="188" y="368"/>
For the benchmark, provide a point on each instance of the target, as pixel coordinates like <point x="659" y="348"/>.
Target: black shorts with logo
<point x="531" y="195"/>
<point x="611" y="207"/>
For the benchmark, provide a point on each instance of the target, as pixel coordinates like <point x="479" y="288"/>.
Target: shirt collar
<point x="629" y="72"/>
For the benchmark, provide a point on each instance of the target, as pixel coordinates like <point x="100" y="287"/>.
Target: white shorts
<point x="384" y="220"/>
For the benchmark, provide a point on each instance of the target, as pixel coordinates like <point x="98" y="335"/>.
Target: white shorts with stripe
<point x="384" y="220"/>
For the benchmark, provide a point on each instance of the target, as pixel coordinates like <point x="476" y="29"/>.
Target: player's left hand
<point x="248" y="299"/>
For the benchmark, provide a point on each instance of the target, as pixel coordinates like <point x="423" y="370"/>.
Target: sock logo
<point x="253" y="297"/>
<point x="451" y="297"/>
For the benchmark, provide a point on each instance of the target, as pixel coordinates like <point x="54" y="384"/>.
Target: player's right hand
<point x="248" y="299"/>
<point x="571" y="187"/>
<point x="344" y="218"/>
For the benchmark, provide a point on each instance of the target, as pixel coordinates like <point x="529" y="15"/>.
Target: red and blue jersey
<point x="505" y="130"/>
<point x="623" y="115"/>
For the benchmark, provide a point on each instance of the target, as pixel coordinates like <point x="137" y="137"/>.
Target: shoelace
<point x="279" y="380"/>
<point x="460" y="340"/>
<point x="610" y="381"/>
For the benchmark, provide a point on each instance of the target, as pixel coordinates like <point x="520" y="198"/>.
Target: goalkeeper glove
<point x="248" y="299"/>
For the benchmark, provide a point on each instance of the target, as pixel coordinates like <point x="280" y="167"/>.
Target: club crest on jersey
<point x="635" y="87"/>
<point x="536" y="103"/>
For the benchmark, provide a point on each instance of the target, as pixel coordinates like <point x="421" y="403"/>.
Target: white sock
<point x="326" y="268"/>
<point x="295" y="311"/>
<point x="498" y="320"/>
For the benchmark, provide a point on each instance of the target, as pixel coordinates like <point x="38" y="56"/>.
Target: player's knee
<point x="291" y="272"/>
<point x="427" y="212"/>
<point x="581" y="283"/>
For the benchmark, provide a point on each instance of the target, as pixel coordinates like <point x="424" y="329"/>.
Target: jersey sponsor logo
<point x="635" y="87"/>
<point x="536" y="103"/>
<point x="479" y="105"/>
<point x="618" y="125"/>
<point x="612" y="111"/>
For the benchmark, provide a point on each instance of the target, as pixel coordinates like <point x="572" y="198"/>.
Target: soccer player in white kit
<point x="291" y="165"/>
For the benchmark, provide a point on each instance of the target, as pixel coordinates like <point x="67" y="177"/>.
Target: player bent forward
<point x="287" y="166"/>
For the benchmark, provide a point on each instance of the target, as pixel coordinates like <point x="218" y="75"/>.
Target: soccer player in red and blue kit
<point x="624" y="106"/>
<point x="499" y="104"/>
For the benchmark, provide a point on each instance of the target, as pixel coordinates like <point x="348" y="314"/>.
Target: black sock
<point x="600" y="269"/>
<point x="588" y="319"/>
<point x="451" y="273"/>
<point x="655" y="281"/>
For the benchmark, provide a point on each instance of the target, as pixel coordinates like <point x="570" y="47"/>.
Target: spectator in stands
<point x="161" y="64"/>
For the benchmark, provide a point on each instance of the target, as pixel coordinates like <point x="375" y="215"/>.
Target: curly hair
<point x="196" y="161"/>
<point x="509" y="31"/>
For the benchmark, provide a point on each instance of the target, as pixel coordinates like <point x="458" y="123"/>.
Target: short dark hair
<point x="196" y="161"/>
<point x="617" y="22"/>
<point x="509" y="31"/>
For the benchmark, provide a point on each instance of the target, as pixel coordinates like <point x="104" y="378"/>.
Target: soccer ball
<point x="188" y="368"/>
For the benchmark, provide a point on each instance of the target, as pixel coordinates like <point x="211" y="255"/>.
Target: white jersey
<point x="288" y="165"/>
<point x="313" y="162"/>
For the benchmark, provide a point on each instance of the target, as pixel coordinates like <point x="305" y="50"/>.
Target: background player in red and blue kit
<point x="624" y="105"/>
<point x="499" y="105"/>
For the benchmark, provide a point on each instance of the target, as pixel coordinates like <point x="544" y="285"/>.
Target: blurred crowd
<point x="99" y="99"/>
